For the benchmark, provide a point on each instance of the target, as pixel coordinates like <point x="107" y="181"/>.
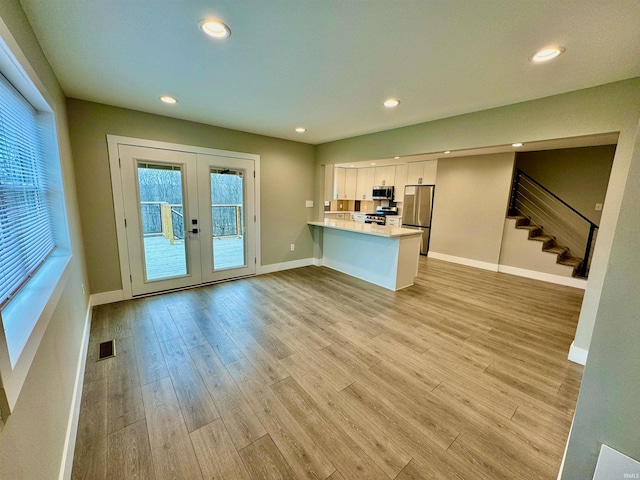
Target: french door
<point x="189" y="217"/>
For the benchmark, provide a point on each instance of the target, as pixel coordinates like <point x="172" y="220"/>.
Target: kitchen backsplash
<point x="366" y="206"/>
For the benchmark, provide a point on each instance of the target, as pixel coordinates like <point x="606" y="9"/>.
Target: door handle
<point x="195" y="230"/>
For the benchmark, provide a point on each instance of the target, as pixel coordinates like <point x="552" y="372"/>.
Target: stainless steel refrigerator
<point x="416" y="211"/>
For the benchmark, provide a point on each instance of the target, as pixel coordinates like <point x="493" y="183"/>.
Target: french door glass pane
<point x="227" y="213"/>
<point x="161" y="213"/>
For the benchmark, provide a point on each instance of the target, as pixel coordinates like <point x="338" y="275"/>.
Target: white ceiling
<point x="328" y="65"/>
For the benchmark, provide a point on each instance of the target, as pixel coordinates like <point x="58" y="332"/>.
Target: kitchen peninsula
<point x="383" y="255"/>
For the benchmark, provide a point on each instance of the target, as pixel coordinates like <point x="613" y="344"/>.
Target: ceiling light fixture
<point x="301" y="129"/>
<point x="373" y="163"/>
<point x="168" y="99"/>
<point x="215" y="29"/>
<point x="547" y="54"/>
<point x="516" y="145"/>
<point x="447" y="152"/>
<point x="396" y="158"/>
<point x="391" y="102"/>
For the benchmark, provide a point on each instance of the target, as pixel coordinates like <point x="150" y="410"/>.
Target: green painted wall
<point x="608" y="409"/>
<point x="287" y="180"/>
<point x="33" y="438"/>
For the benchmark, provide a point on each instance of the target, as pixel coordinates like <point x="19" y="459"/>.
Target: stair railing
<point x="543" y="207"/>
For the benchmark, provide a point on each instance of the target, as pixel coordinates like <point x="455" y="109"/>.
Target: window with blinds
<point x="26" y="233"/>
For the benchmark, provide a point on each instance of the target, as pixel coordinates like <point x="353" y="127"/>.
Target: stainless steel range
<point x="380" y="215"/>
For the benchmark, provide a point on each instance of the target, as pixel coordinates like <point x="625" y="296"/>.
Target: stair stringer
<point x="519" y="251"/>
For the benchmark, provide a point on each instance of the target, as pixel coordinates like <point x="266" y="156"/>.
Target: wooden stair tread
<point x="558" y="250"/>
<point x="570" y="261"/>
<point x="542" y="238"/>
<point x="549" y="245"/>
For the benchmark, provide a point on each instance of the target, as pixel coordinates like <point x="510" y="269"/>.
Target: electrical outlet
<point x="308" y="203"/>
<point x="598" y="207"/>
<point x="293" y="247"/>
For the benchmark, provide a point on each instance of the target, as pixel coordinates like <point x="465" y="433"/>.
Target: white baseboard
<point x="545" y="277"/>
<point x="277" y="267"/>
<point x="106" y="297"/>
<point x="74" y="413"/>
<point x="578" y="355"/>
<point x="318" y="262"/>
<point x="464" y="261"/>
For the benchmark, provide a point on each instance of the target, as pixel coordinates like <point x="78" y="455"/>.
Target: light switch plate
<point x="308" y="203"/>
<point x="598" y="207"/>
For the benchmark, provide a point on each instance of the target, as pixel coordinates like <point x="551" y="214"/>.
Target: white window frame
<point x="25" y="318"/>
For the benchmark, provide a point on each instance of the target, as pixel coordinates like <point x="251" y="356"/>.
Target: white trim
<point x="74" y="413"/>
<point x="45" y="287"/>
<point x="566" y="447"/>
<point x="277" y="267"/>
<point x="106" y="297"/>
<point x="141" y="142"/>
<point x="577" y="354"/>
<point x="464" y="261"/>
<point x="545" y="277"/>
<point x="118" y="200"/>
<point x="118" y="206"/>
<point x="318" y="262"/>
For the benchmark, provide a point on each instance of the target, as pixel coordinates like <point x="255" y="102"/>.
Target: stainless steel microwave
<point x="382" y="193"/>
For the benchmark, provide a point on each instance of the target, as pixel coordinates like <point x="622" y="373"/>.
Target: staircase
<point x="549" y="244"/>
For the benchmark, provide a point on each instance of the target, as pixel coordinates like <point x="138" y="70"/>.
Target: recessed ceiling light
<point x="447" y="152"/>
<point x="168" y="99"/>
<point x="373" y="163"/>
<point x="391" y="102"/>
<point x="516" y="145"/>
<point x="301" y="129"/>
<point x="215" y="29"/>
<point x="547" y="54"/>
<point x="396" y="158"/>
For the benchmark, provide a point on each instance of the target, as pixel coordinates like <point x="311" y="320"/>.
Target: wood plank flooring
<point x="310" y="373"/>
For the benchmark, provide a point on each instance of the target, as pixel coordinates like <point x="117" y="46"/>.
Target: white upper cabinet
<point x="328" y="182"/>
<point x="414" y="173"/>
<point x="345" y="180"/>
<point x="422" y="173"/>
<point x="350" y="184"/>
<point x="385" y="176"/>
<point x="364" y="185"/>
<point x="340" y="178"/>
<point x="400" y="182"/>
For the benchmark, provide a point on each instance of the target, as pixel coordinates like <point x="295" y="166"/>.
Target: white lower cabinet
<point x="394" y="221"/>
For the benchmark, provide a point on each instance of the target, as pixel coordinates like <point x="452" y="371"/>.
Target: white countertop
<point x="367" y="228"/>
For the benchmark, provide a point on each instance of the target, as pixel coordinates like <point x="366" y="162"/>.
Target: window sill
<point x="24" y="321"/>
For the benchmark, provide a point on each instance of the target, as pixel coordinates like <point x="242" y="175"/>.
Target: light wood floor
<point x="309" y="373"/>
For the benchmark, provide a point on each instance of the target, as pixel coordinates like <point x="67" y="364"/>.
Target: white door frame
<point x="113" y="141"/>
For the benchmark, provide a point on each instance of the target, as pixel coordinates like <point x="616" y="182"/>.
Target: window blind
<point x="26" y="237"/>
